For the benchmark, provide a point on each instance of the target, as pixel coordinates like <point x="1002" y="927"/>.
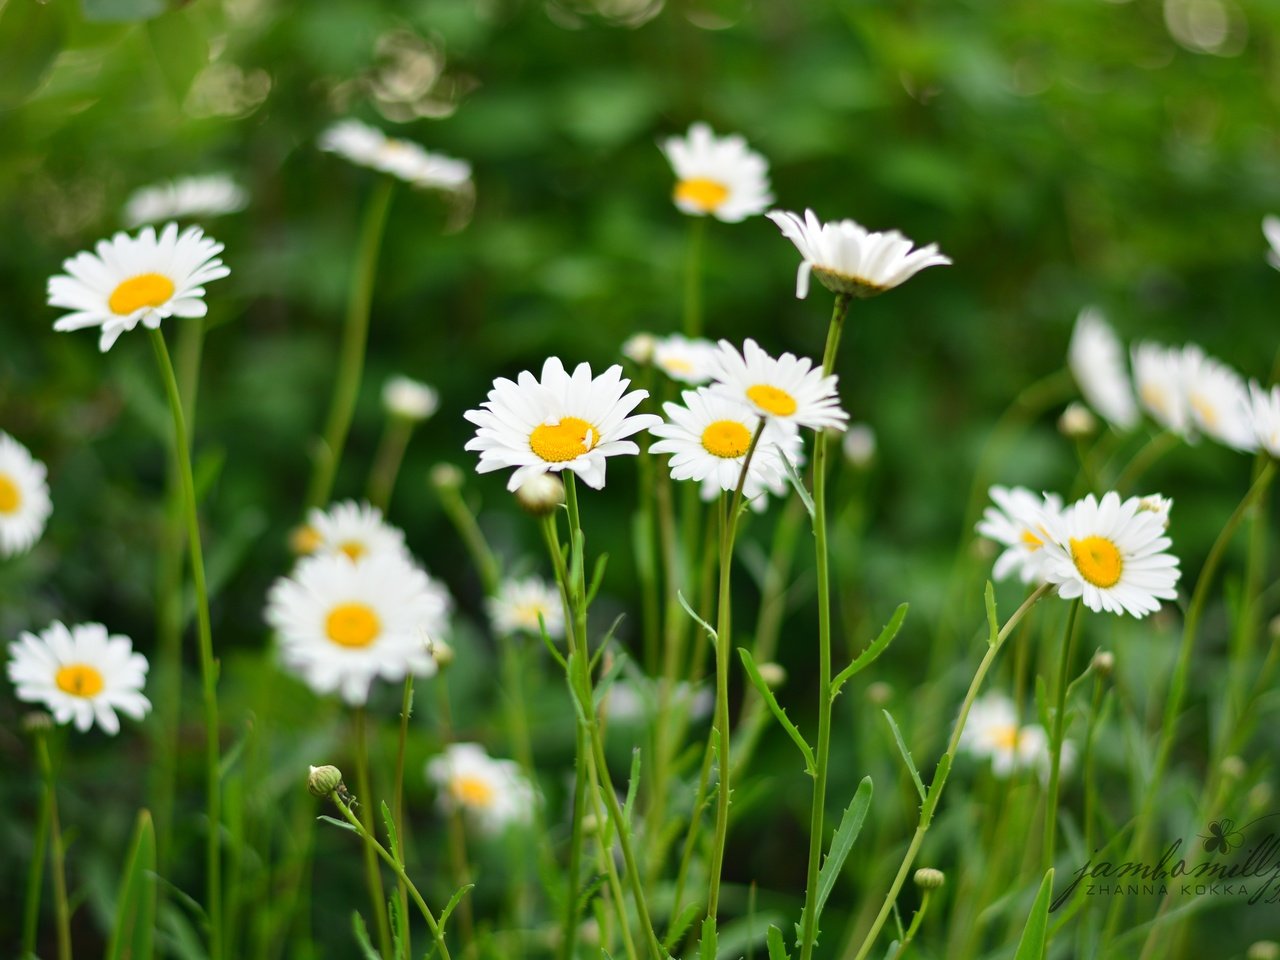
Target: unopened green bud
<point x="1104" y="663"/>
<point x="1264" y="950"/>
<point x="445" y="476"/>
<point x="927" y="878"/>
<point x="37" y="722"/>
<point x="541" y="495"/>
<point x="322" y="781"/>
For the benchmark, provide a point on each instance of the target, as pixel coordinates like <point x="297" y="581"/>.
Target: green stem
<point x="464" y="521"/>
<point x="1153" y="450"/>
<point x="35" y="875"/>
<point x="51" y="828"/>
<point x="1059" y="725"/>
<point x="693" y="277"/>
<point x="373" y="876"/>
<point x="457" y="829"/>
<point x="690" y="843"/>
<point x="208" y="668"/>
<point x="915" y="926"/>
<point x="386" y="463"/>
<point x="355" y="334"/>
<point x="406" y="711"/>
<point x="809" y="927"/>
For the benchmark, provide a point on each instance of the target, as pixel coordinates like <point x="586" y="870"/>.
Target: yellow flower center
<point x="701" y="192"/>
<point x="1006" y="738"/>
<point x="472" y="791"/>
<point x="1155" y="398"/>
<point x="676" y="365"/>
<point x="726" y="438"/>
<point x="566" y="440"/>
<point x="79" y="680"/>
<point x="352" y="625"/>
<point x="528" y="613"/>
<point x="10" y="495"/>
<point x="144" y="290"/>
<point x="1031" y="541"/>
<point x="772" y="400"/>
<point x="304" y="540"/>
<point x="353" y="549"/>
<point x="1098" y="560"/>
<point x="1205" y="410"/>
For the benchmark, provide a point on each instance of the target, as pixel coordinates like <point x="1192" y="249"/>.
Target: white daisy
<point x="859" y="445"/>
<point x="993" y="732"/>
<point x="1159" y="505"/>
<point x="639" y="347"/>
<point x="351" y="529"/>
<point x="1264" y="417"/>
<point x="789" y="390"/>
<point x="409" y="399"/>
<point x="519" y="603"/>
<point x="1097" y="362"/>
<point x="557" y="422"/>
<point x="683" y="359"/>
<point x="80" y="674"/>
<point x="708" y="439"/>
<point x="24" y="497"/>
<point x="720" y="176"/>
<point x="1033" y="753"/>
<point x="1271" y="230"/>
<point x="1111" y="553"/>
<point x="493" y="793"/>
<point x="1218" y="399"/>
<point x="848" y="258"/>
<point x="343" y="624"/>
<point x="207" y="196"/>
<point x="1017" y="521"/>
<point x="1157" y="372"/>
<point x="137" y="279"/>
<point x="403" y="159"/>
<point x="638" y="700"/>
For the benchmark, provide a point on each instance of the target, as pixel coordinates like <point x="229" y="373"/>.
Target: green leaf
<point x="338" y="823"/>
<point x="1031" y="946"/>
<point x="842" y="842"/>
<point x="181" y="50"/>
<point x="707" y="943"/>
<point x="777" y="947"/>
<point x="633" y="784"/>
<point x="797" y="481"/>
<point x="810" y="765"/>
<point x="121" y="11"/>
<point x="906" y="755"/>
<point x="453" y="904"/>
<point x="362" y="937"/>
<point x="993" y="621"/>
<point x="611" y="675"/>
<point x="136" y="909"/>
<point x="681" y="924"/>
<point x="597" y="577"/>
<point x="31" y="35"/>
<point x="393" y="836"/>
<point x="711" y="631"/>
<point x="869" y="655"/>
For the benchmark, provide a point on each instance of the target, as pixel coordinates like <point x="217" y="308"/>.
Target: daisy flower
<point x="24" y="497"/>
<point x="1218" y="399"/>
<point x="494" y="793"/>
<point x="1159" y="505"/>
<point x="708" y="439"/>
<point x="1157" y="371"/>
<point x="81" y="674"/>
<point x="1017" y="522"/>
<point x="369" y="147"/>
<point x="355" y="530"/>
<point x="409" y="399"/>
<point x="146" y="279"/>
<point x="848" y="258"/>
<point x="720" y="176"/>
<point x="1271" y="230"/>
<point x="1097" y="362"/>
<point x="638" y="700"/>
<point x="207" y="196"/>
<point x="683" y="359"/>
<point x="993" y="732"/>
<point x="1112" y="554"/>
<point x="557" y="422"/>
<point x="639" y="347"/>
<point x="789" y="390"/>
<point x="519" y="603"/>
<point x="1264" y="417"/>
<point x="344" y="624"/>
<point x="859" y="445"/>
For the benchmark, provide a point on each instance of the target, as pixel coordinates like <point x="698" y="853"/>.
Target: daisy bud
<point x="927" y="878"/>
<point x="590" y="825"/>
<point x="445" y="476"/>
<point x="407" y="399"/>
<point x="1259" y="798"/>
<point x="774" y="675"/>
<point x="1233" y="767"/>
<point x="37" y="722"/>
<point x="1104" y="663"/>
<point x="879" y="693"/>
<point x="322" y="781"/>
<point x="859" y="445"/>
<point x="1077" y="422"/>
<point x="640" y="347"/>
<point x="442" y="652"/>
<point x="541" y="495"/>
<point x="1264" y="950"/>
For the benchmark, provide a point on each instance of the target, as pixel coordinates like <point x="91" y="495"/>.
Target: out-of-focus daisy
<point x="638" y="700"/>
<point x="790" y="390"/>
<point x="409" y="399"/>
<point x="81" y="674"/>
<point x="993" y="732"/>
<point x="1097" y="362"/>
<point x="639" y="347"/>
<point x="720" y="176"/>
<point x="1034" y="753"/>
<point x="1157" y="371"/>
<point x="519" y="604"/>
<point x="1017" y="521"/>
<point x="1159" y="505"/>
<point x="343" y="624"/>
<point x="1264" y="417"/>
<point x="492" y="793"/>
<point x="859" y="445"/>
<point x="683" y="359"/>
<point x="848" y="258"/>
<point x="1112" y="553"/>
<point x="557" y="422"/>
<point x="1077" y="421"/>
<point x="208" y="196"/>
<point x="1218" y="399"/>
<point x="24" y="497"/>
<point x="1271" y="230"/>
<point x="354" y="530"/>
<point x="403" y="159"/>
<point x="128" y="280"/>
<point x="541" y="495"/>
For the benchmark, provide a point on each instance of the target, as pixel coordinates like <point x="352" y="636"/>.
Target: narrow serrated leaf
<point x="362" y="937"/>
<point x="681" y="924"/>
<point x="846" y="834"/>
<point x="711" y="631"/>
<point x="131" y="935"/>
<point x="797" y="482"/>
<point x="453" y="904"/>
<point x="869" y="655"/>
<point x="707" y="942"/>
<point x="906" y="755"/>
<point x="597" y="577"/>
<point x="393" y="835"/>
<point x="753" y="673"/>
<point x="777" y="946"/>
<point x="338" y="823"/>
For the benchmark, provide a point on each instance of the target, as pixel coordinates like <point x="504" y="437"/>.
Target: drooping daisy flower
<point x="409" y="399"/>
<point x="24" y="497"/>
<point x="689" y="361"/>
<point x="1271" y="230"/>
<point x="708" y="439"/>
<point x="207" y="196"/>
<point x="403" y="159"/>
<point x="557" y="422"/>
<point x="1157" y="371"/>
<point x="519" y="604"/>
<point x="354" y="530"/>
<point x="1159" y="505"/>
<point x="1017" y="521"/>
<point x="993" y="732"/>
<point x="1111" y="553"/>
<point x="344" y="624"/>
<point x="789" y="390"/>
<point x="137" y="279"/>
<point x="1218" y="399"/>
<point x="720" y="176"/>
<point x="493" y="793"/>
<point x="1264" y="417"/>
<point x="848" y="258"/>
<point x="1097" y="362"/>
<point x="81" y="674"/>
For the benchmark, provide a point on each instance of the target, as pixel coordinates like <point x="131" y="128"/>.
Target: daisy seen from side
<point x="368" y="146"/>
<point x="409" y="399"/>
<point x="1016" y="521"/>
<point x="1097" y="362"/>
<point x="1217" y="399"/>
<point x="686" y="360"/>
<point x="1264" y="417"/>
<point x="213" y="195"/>
<point x="1271" y="230"/>
<point x="717" y="176"/>
<point x="1158" y="375"/>
<point x="25" y="505"/>
<point x="789" y="390"/>
<point x="519" y="603"/>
